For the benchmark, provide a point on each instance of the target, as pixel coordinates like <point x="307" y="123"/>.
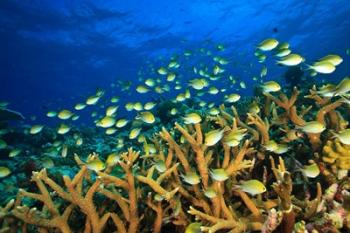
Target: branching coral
<point x="136" y="189"/>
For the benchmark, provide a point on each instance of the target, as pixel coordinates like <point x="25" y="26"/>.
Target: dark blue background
<point x="55" y="53"/>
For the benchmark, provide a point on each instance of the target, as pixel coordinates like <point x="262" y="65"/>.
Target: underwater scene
<point x="174" y="116"/>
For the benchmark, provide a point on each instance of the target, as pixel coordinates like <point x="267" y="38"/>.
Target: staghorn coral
<point x="128" y="195"/>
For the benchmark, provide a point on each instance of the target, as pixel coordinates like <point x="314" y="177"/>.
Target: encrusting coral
<point x="186" y="181"/>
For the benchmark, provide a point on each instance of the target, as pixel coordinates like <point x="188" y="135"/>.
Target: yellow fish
<point x="192" y="118"/>
<point x="311" y="171"/>
<point x="270" y="86"/>
<point x="111" y="110"/>
<point x="322" y="67"/>
<point x="63" y="129"/>
<point x="253" y="187"/>
<point x="232" y="98"/>
<point x="134" y="133"/>
<point x="65" y="114"/>
<point x="292" y="59"/>
<point x="194" y="227"/>
<point x="147" y="117"/>
<point x="213" y="137"/>
<point x="35" y="129"/>
<point x="219" y="174"/>
<point x="313" y="127"/>
<point x="51" y="114"/>
<point x="95" y="165"/>
<point x="4" y="171"/>
<point x="343" y="136"/>
<point x="142" y="89"/>
<point x="106" y="122"/>
<point x="121" y="123"/>
<point x="92" y="100"/>
<point x="79" y="106"/>
<point x="191" y="178"/>
<point x="112" y="159"/>
<point x="332" y="58"/>
<point x="14" y="152"/>
<point x="268" y="44"/>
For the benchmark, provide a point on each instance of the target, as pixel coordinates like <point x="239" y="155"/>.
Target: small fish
<point x="194" y="227"/>
<point x="322" y="67"/>
<point x="79" y="142"/>
<point x="213" y="91"/>
<point x="263" y="72"/>
<point x="63" y="129"/>
<point x="313" y="127"/>
<point x="332" y="58"/>
<point x="92" y="100"/>
<point x="142" y="89"/>
<point x="173" y="111"/>
<point x="343" y="136"/>
<point x="115" y="99"/>
<point x="283" y="45"/>
<point x="192" y="118"/>
<point x="149" y="105"/>
<point x="232" y="98"/>
<point x="343" y="87"/>
<point x="253" y="187"/>
<point x="129" y="107"/>
<point x="35" y="129"/>
<point x="268" y="44"/>
<point x="210" y="193"/>
<point x="214" y="111"/>
<point x="150" y="82"/>
<point x="254" y="108"/>
<point x="79" y="106"/>
<point x="311" y="171"/>
<point x="219" y="174"/>
<point x="51" y="114"/>
<point x="64" y="151"/>
<point x="283" y="52"/>
<point x="213" y="137"/>
<point x="191" y="178"/>
<point x="134" y="133"/>
<point x="270" y="86"/>
<point x="111" y="131"/>
<point x="162" y="71"/>
<point x="242" y="85"/>
<point x="121" y="123"/>
<point x="198" y="84"/>
<point x="234" y="137"/>
<point x="147" y="117"/>
<point x="65" y="114"/>
<point x="281" y="149"/>
<point x="138" y="106"/>
<point x="171" y="77"/>
<point x="112" y="159"/>
<point x="4" y="171"/>
<point x="291" y="60"/>
<point x="14" y="152"/>
<point x="160" y="166"/>
<point x="106" y="122"/>
<point x="271" y="145"/>
<point x="111" y="110"/>
<point x="95" y="165"/>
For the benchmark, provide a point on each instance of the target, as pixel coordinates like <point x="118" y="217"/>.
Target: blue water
<point x="55" y="53"/>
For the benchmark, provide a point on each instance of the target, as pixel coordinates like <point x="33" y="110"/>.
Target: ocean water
<point x="56" y="54"/>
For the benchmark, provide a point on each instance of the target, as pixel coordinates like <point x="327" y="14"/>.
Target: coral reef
<point x="187" y="181"/>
